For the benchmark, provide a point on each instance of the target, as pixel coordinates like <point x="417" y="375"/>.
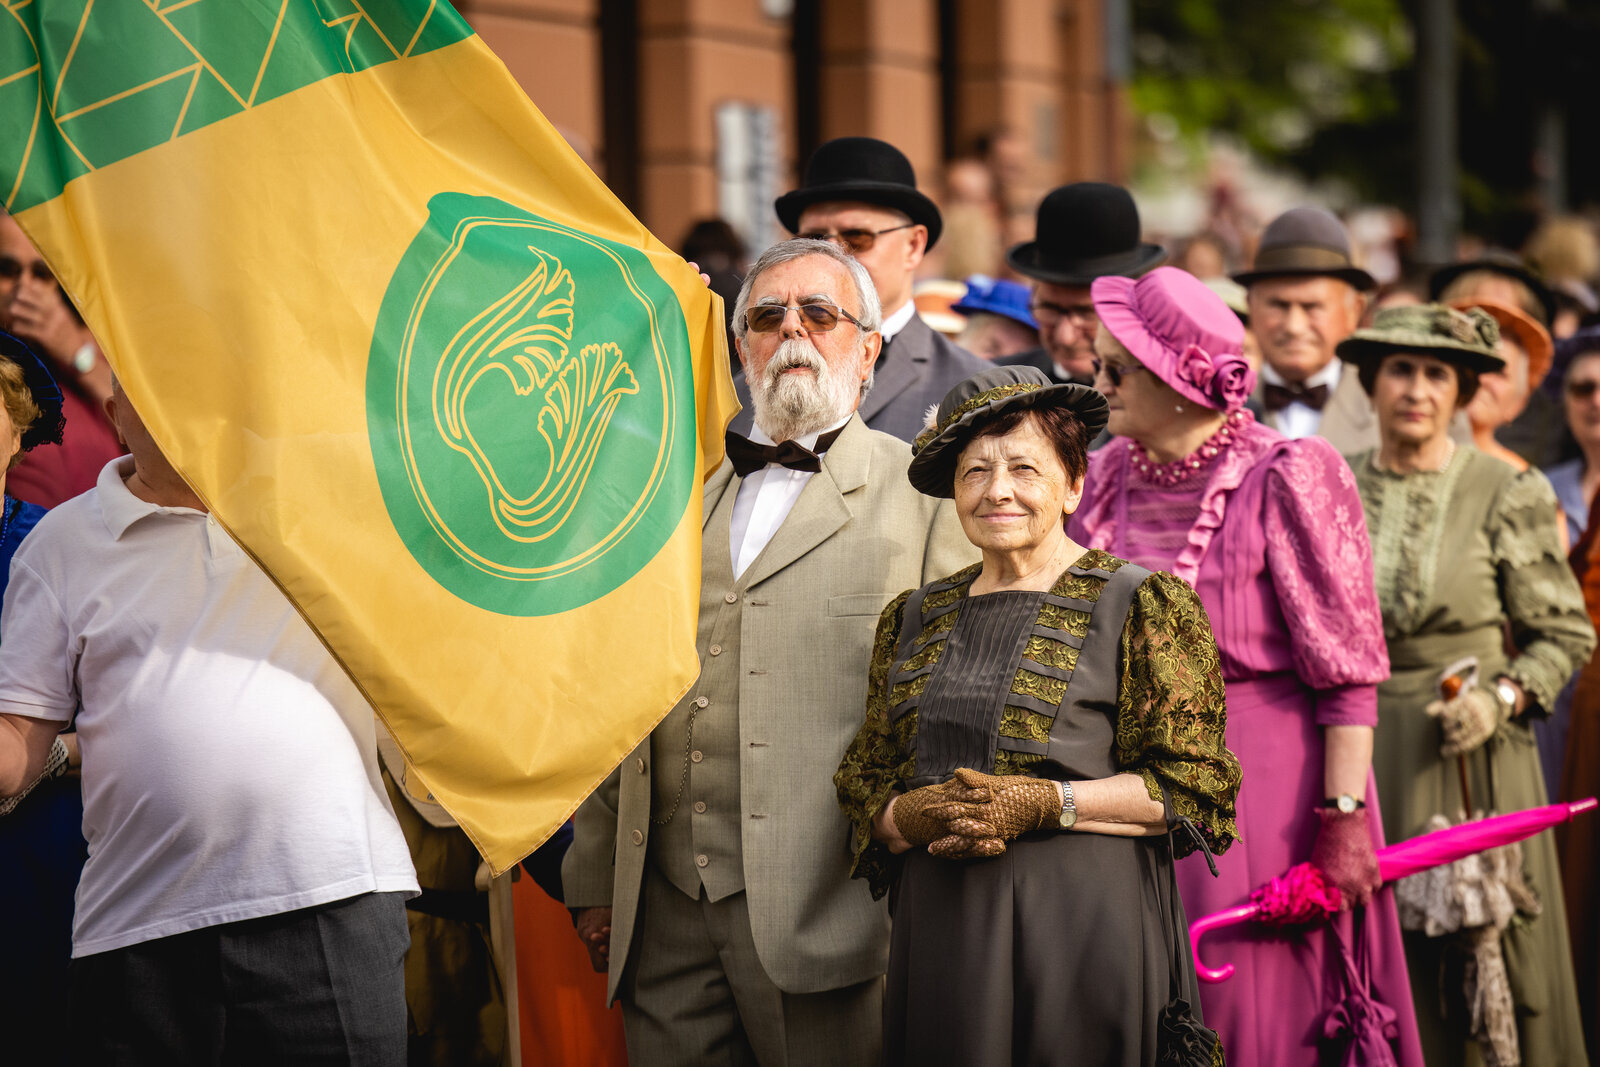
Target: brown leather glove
<point x="1343" y="853"/>
<point x="1016" y="804"/>
<point x="913" y="814"/>
<point x="1468" y="720"/>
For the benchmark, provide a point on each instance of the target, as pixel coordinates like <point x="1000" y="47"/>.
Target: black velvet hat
<point x="47" y="428"/>
<point x="1085" y="231"/>
<point x="864" y="169"/>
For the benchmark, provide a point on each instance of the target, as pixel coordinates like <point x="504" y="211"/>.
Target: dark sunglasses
<point x="816" y="318"/>
<point x="853" y="241"/>
<point x="1582" y="390"/>
<point x="1113" y="372"/>
<point x="11" y="269"/>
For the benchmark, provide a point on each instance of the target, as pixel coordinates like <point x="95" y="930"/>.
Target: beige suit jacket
<point x="858" y="536"/>
<point x="1348" y="422"/>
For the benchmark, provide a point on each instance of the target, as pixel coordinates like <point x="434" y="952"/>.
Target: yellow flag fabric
<point x="410" y="351"/>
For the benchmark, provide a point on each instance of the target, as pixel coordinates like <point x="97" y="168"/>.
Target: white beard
<point x="788" y="406"/>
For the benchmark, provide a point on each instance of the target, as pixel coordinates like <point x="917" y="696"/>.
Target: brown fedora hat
<point x="1309" y="241"/>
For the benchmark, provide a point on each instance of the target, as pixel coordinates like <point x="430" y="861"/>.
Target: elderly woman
<point x="1466" y="549"/>
<point x="41" y="844"/>
<point x="1502" y="395"/>
<point x="1268" y="531"/>
<point x="1034" y="725"/>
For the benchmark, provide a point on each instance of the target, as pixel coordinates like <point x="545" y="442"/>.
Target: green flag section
<point x="413" y="355"/>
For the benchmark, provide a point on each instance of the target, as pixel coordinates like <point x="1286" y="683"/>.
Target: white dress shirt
<point x="765" y="498"/>
<point x="893" y="324"/>
<point x="1298" y="420"/>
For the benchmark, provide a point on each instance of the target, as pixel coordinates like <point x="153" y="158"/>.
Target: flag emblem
<point x="525" y="427"/>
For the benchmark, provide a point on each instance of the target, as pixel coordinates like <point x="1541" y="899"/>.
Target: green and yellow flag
<point x="428" y="371"/>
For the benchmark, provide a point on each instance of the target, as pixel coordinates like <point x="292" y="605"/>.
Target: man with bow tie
<point x="710" y="874"/>
<point x="1305" y="296"/>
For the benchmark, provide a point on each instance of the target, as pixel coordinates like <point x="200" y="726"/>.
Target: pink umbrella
<point x="1299" y="895"/>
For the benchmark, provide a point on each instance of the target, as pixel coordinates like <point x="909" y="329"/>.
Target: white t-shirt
<point x="230" y="769"/>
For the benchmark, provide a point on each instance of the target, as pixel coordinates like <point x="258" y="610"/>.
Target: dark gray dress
<point x="1062" y="950"/>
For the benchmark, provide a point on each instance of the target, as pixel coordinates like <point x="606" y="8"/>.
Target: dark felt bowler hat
<point x="982" y="397"/>
<point x="1084" y="231"/>
<point x="1497" y="262"/>
<point x="1308" y="241"/>
<point x="864" y="169"/>
<point x="47" y="428"/>
<point x="1468" y="338"/>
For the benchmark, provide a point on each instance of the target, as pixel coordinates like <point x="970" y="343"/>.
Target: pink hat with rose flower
<point x="1171" y="322"/>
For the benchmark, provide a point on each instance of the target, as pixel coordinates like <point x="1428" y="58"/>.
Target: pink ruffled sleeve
<point x="1320" y="557"/>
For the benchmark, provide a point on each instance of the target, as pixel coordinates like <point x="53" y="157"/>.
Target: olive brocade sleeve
<point x="1172" y="712"/>
<point x="879" y="759"/>
<point x="1542" y="599"/>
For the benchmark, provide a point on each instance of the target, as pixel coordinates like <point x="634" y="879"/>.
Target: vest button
<point x="639" y="764"/>
<point x="732" y="598"/>
<point x="702" y="860"/>
<point x="638" y="837"/>
<point x="702" y="702"/>
<point x="699" y="807"/>
<point x="716" y="650"/>
<point x="697" y="755"/>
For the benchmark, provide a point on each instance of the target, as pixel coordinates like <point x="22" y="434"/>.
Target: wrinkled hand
<point x="1000" y="806"/>
<point x="1343" y="853"/>
<point x="1468" y="720"/>
<point x="594" y="930"/>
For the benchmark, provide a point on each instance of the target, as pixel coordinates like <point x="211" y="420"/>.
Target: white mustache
<point x="791" y="354"/>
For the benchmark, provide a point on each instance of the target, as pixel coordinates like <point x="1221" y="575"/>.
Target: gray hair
<point x="871" y="314"/>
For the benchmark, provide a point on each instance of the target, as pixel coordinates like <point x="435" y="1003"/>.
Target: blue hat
<point x="998" y="297"/>
<point x="46" y="429"/>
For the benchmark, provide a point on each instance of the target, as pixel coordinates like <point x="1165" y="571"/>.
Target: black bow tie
<point x="748" y="457"/>
<point x="1278" y="397"/>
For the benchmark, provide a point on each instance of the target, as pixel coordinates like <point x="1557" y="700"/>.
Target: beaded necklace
<point x="1174" y="473"/>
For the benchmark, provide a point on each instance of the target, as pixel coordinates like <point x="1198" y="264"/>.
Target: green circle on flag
<point x="530" y="406"/>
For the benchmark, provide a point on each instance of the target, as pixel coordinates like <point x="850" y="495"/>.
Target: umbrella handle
<point x="1201" y="926"/>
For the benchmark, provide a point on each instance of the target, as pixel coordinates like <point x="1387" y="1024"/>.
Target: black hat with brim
<point x="1468" y="338"/>
<point x="1084" y="231"/>
<point x="979" y="399"/>
<point x="1496" y="262"/>
<point x="48" y="427"/>
<point x="862" y="169"/>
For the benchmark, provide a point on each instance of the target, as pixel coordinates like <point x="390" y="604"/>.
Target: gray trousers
<point x="317" y="986"/>
<point x="694" y="992"/>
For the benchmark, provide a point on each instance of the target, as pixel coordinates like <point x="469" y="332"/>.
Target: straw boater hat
<point x="1085" y="231"/>
<point x="1522" y="328"/>
<point x="1306" y="241"/>
<point x="978" y="399"/>
<point x="1465" y="338"/>
<point x="863" y="169"/>
<point x="47" y="428"/>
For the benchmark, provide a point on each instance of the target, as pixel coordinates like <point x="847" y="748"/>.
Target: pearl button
<point x="639" y="763"/>
<point x="638" y="837"/>
<point x="697" y="755"/>
<point x="716" y="650"/>
<point x="700" y="807"/>
<point x="701" y="860"/>
<point x="732" y="598"/>
<point x="702" y="702"/>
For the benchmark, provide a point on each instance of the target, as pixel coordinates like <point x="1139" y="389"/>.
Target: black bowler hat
<point x="1497" y="261"/>
<point x="864" y="169"/>
<point x="1085" y="231"/>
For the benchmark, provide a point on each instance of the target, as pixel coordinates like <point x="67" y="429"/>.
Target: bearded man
<point x="710" y="873"/>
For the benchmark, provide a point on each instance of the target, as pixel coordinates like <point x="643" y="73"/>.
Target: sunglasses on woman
<point x="816" y="318"/>
<point x="853" y="241"/>
<point x="1113" y="372"/>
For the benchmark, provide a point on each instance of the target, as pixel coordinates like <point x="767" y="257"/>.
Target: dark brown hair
<point x="1466" y="378"/>
<point x="1064" y="429"/>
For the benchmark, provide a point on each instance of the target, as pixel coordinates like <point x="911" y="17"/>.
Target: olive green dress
<point x="1461" y="557"/>
<point x="1065" y="949"/>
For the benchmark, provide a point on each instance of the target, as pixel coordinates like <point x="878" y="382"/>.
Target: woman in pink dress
<point x="1271" y="534"/>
